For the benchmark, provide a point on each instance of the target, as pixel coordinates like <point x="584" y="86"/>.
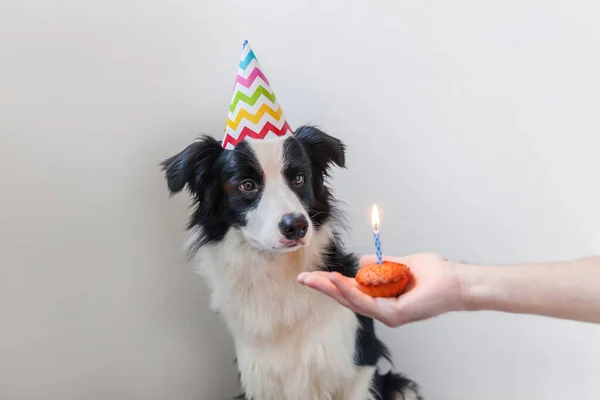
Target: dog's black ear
<point x="194" y="166"/>
<point x="322" y="148"/>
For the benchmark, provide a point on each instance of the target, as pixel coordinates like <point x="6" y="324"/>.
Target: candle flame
<point x="375" y="218"/>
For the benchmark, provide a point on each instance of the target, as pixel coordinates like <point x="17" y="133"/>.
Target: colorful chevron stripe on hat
<point x="254" y="111"/>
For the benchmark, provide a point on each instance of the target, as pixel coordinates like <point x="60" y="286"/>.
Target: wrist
<point x="475" y="292"/>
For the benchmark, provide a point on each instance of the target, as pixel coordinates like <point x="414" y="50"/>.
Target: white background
<point x="473" y="125"/>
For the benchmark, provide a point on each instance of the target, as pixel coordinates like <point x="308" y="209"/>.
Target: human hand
<point x="433" y="290"/>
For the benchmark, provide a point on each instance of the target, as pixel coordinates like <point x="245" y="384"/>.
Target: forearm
<point x="567" y="290"/>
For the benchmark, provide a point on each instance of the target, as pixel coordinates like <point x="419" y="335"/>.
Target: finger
<point x="302" y="276"/>
<point x="321" y="283"/>
<point x="358" y="300"/>
<point x="322" y="274"/>
<point x="380" y="308"/>
<point x="332" y="284"/>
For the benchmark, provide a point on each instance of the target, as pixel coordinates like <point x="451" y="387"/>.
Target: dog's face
<point x="273" y="192"/>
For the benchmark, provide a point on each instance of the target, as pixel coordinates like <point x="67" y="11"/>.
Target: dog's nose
<point x="293" y="226"/>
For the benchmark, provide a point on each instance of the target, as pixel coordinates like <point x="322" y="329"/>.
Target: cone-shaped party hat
<point x="254" y="111"/>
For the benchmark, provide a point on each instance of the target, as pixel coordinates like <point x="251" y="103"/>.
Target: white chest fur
<point x="292" y="343"/>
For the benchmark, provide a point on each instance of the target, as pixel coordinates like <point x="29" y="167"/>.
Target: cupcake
<point x="388" y="279"/>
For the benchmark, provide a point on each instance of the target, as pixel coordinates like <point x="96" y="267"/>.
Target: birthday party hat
<point x="254" y="111"/>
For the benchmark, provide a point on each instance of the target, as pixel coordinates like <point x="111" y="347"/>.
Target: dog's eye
<point x="247" y="186"/>
<point x="299" y="179"/>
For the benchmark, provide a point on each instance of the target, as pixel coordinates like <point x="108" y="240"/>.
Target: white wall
<point x="473" y="125"/>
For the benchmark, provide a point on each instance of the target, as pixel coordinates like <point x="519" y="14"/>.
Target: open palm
<point x="434" y="289"/>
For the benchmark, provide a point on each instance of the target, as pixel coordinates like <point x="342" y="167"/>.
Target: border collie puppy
<point x="261" y="215"/>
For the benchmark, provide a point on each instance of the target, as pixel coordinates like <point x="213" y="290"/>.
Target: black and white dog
<point x="262" y="214"/>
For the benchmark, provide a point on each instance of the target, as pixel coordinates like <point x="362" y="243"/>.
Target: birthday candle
<point x="375" y="222"/>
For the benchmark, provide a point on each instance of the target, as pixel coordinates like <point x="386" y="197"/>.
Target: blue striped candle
<point x="375" y="222"/>
<point x="378" y="247"/>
